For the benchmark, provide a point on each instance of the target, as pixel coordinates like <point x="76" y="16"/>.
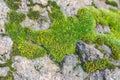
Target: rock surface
<point x="70" y="7"/>
<point x="102" y="29"/>
<point x="4" y="71"/>
<point x="5" y="48"/>
<point x="45" y="69"/>
<point x="3" y="16"/>
<point x="88" y="52"/>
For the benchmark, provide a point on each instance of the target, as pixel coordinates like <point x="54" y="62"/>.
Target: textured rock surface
<point x="102" y="29"/>
<point x="43" y="2"/>
<point x="4" y="71"/>
<point x="5" y="48"/>
<point x="70" y="7"/>
<point x="45" y="69"/>
<point x="3" y="16"/>
<point x="88" y="52"/>
<point x="106" y="50"/>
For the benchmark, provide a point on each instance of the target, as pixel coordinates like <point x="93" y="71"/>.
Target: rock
<point x="38" y="69"/>
<point x="4" y="71"/>
<point x="101" y="4"/>
<point x="106" y="74"/>
<point x="45" y="69"/>
<point x="23" y="7"/>
<point x="41" y="24"/>
<point x="5" y="48"/>
<point x="3" y="14"/>
<point x="88" y="52"/>
<point x="43" y="2"/>
<point x="71" y="70"/>
<point x="106" y="50"/>
<point x="100" y="30"/>
<point x="70" y="7"/>
<point x="98" y="75"/>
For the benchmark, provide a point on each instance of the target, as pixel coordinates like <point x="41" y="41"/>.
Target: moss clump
<point x="13" y="4"/>
<point x="97" y="65"/>
<point x="63" y="34"/>
<point x="16" y="17"/>
<point x="34" y="15"/>
<point x="112" y="2"/>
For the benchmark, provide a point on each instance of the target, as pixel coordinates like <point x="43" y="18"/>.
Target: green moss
<point x="16" y="17"/>
<point x="99" y="64"/>
<point x="13" y="4"/>
<point x="112" y="2"/>
<point x="64" y="32"/>
<point x="34" y="15"/>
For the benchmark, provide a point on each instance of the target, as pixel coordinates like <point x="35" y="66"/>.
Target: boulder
<point x="4" y="71"/>
<point x="88" y="52"/>
<point x="5" y="48"/>
<point x="70" y="7"/>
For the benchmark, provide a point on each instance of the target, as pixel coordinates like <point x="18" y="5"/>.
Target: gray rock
<point x="43" y="2"/>
<point x="3" y="15"/>
<point x="101" y="30"/>
<point x="5" y="48"/>
<point x="38" y="69"/>
<point x="88" y="52"/>
<point x="106" y="49"/>
<point x="70" y="7"/>
<point x="23" y="7"/>
<point x="4" y="71"/>
<point x="41" y="24"/>
<point x="71" y="70"/>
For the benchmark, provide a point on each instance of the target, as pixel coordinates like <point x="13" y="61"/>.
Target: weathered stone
<point x="43" y="2"/>
<point x="3" y="15"/>
<point x="102" y="29"/>
<point x="38" y="69"/>
<point x="88" y="52"/>
<point x="106" y="49"/>
<point x="4" y="71"/>
<point x="70" y="7"/>
<point x="5" y="48"/>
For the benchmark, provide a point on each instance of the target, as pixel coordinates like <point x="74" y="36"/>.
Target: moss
<point x="16" y="17"/>
<point x="34" y="15"/>
<point x="13" y="4"/>
<point x="64" y="32"/>
<point x="99" y="64"/>
<point x="112" y="2"/>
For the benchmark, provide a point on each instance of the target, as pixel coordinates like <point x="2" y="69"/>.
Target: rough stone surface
<point x="46" y="69"/>
<point x="106" y="49"/>
<point x="88" y="52"/>
<point x="70" y="7"/>
<point x="3" y="15"/>
<point x="43" y="2"/>
<point x="5" y="48"/>
<point x="101" y="30"/>
<point x="4" y="71"/>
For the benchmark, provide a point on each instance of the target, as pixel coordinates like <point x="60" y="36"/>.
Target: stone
<point x="71" y="70"/>
<point x="42" y="24"/>
<point x="102" y="29"/>
<point x="88" y="52"/>
<point x="43" y="2"/>
<point x="23" y="7"/>
<point x="4" y="71"/>
<point x="106" y="49"/>
<point x="3" y="15"/>
<point x="37" y="69"/>
<point x="5" y="48"/>
<point x="70" y="7"/>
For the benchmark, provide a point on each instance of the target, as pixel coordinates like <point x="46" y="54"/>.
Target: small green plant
<point x="112" y="2"/>
<point x="16" y="17"/>
<point x="34" y="15"/>
<point x="13" y="4"/>
<point x="99" y="64"/>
